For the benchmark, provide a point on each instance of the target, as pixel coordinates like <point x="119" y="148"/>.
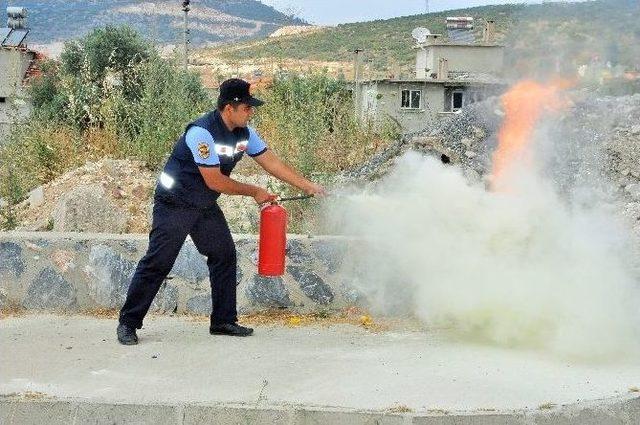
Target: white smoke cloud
<point x="517" y="269"/>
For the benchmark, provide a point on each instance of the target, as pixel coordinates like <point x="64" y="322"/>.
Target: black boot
<point x="231" y="329"/>
<point x="127" y="335"/>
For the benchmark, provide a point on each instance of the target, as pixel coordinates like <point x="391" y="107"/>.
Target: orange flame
<point x="523" y="105"/>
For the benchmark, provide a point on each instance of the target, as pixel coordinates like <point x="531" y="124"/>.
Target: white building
<point x="449" y="75"/>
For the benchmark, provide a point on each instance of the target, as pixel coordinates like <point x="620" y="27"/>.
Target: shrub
<point x="110" y="95"/>
<point x="309" y="121"/>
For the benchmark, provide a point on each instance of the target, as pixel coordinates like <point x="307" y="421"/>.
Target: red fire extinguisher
<point x="273" y="237"/>
<point x="273" y="240"/>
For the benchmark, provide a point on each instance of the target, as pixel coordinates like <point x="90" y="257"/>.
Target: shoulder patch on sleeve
<point x="204" y="151"/>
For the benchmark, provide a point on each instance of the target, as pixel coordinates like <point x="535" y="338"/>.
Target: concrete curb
<point x="16" y="410"/>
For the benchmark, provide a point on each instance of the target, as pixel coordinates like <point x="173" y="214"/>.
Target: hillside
<point x="540" y="37"/>
<point x="161" y="21"/>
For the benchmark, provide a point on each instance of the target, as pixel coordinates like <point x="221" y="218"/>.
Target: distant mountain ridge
<point x="556" y="37"/>
<point x="161" y="21"/>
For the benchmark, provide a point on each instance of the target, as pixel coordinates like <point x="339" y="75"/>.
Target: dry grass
<point x="101" y="143"/>
<point x="401" y="408"/>
<point x="102" y="313"/>
<point x="547" y="406"/>
<point x="12" y="311"/>
<point x="27" y="395"/>
<point x="354" y="316"/>
<point x="349" y="316"/>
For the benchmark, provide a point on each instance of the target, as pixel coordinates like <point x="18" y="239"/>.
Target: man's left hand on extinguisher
<point x="261" y="196"/>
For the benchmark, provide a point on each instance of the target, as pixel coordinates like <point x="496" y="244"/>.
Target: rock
<point x="632" y="210"/>
<point x="33" y="246"/>
<point x="635" y="129"/>
<point x="311" y="284"/>
<point x="190" y="264"/>
<point x="63" y="260"/>
<point x="130" y="246"/>
<point x="36" y="197"/>
<point x="330" y="253"/>
<point x="117" y="193"/>
<point x="11" y="261"/>
<point x="297" y="252"/>
<point x="247" y="249"/>
<point x="50" y="291"/>
<point x="479" y="133"/>
<point x="471" y="175"/>
<point x="88" y="209"/>
<point x="3" y="203"/>
<point x="239" y="274"/>
<point x="351" y="295"/>
<point x="166" y="301"/>
<point x="140" y="192"/>
<point x="268" y="291"/>
<point x="626" y="172"/>
<point x="109" y="276"/>
<point x="633" y="190"/>
<point x="470" y="154"/>
<point x="199" y="304"/>
<point x="4" y="301"/>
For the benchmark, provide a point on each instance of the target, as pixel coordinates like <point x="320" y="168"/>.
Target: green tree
<point x="113" y="48"/>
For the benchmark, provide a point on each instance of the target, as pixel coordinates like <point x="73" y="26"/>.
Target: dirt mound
<point x="129" y="187"/>
<point x="128" y="184"/>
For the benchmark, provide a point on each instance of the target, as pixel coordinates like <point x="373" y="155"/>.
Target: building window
<point x="456" y="101"/>
<point x="411" y="99"/>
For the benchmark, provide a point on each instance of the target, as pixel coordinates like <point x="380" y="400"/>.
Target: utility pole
<point x="356" y="81"/>
<point x="426" y="6"/>
<point x="185" y="9"/>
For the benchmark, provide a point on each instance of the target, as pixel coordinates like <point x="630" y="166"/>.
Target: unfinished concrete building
<point x="17" y="63"/>
<point x="449" y="74"/>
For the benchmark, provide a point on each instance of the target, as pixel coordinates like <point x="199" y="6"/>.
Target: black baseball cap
<point x="237" y="90"/>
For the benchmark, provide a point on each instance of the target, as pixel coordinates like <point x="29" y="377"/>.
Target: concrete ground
<point x="62" y="365"/>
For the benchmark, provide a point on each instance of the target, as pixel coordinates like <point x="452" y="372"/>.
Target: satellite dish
<point x="420" y="34"/>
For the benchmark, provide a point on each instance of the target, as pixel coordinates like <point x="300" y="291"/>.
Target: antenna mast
<point x="185" y="9"/>
<point x="426" y="6"/>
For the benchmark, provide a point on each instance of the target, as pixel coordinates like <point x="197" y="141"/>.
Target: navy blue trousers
<point x="210" y="234"/>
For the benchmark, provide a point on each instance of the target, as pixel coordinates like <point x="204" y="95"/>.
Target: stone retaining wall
<point x="79" y="272"/>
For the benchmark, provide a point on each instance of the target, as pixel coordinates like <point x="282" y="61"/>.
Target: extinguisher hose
<point x="295" y="198"/>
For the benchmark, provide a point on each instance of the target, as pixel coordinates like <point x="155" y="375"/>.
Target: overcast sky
<point x="332" y="12"/>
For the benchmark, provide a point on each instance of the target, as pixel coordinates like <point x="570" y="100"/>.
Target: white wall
<point x="473" y="58"/>
<point x="381" y="100"/>
<point x="13" y="66"/>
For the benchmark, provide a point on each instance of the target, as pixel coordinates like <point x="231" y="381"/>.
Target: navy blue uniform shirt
<point x="206" y="142"/>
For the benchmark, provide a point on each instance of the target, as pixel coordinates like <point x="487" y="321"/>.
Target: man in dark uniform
<point x="195" y="174"/>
